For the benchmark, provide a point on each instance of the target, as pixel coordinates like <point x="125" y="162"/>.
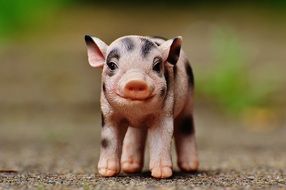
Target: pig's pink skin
<point x="161" y="117"/>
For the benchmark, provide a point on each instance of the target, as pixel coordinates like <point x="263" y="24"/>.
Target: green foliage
<point x="16" y="15"/>
<point x="182" y="3"/>
<point x="228" y="82"/>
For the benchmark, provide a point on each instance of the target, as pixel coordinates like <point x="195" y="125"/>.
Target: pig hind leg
<point x="132" y="159"/>
<point x="185" y="140"/>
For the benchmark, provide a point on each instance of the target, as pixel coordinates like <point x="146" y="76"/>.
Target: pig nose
<point x="137" y="89"/>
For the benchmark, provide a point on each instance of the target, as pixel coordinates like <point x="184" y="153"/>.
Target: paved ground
<point x="58" y="149"/>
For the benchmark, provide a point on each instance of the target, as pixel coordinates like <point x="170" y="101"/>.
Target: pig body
<point x="147" y="90"/>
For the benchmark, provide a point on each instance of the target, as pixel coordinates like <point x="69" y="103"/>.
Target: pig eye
<point x="157" y="64"/>
<point x="112" y="66"/>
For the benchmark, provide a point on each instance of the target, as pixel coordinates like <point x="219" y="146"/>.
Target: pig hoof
<point x="107" y="172"/>
<point x="162" y="172"/>
<point x="110" y="169"/>
<point x="189" y="166"/>
<point x="131" y="166"/>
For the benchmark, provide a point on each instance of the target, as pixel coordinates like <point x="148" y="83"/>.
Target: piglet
<point x="147" y="90"/>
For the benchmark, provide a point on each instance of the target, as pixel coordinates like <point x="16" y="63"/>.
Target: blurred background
<point x="49" y="95"/>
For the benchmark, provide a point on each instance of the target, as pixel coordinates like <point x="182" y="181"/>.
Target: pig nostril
<point x="137" y="88"/>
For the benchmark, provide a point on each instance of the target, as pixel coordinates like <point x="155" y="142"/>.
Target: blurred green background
<point x="236" y="48"/>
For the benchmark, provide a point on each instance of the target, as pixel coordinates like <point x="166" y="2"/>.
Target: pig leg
<point x="160" y="138"/>
<point x="185" y="140"/>
<point x="111" y="147"/>
<point x="132" y="158"/>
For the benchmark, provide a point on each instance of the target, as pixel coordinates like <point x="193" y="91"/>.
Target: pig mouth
<point x="136" y="99"/>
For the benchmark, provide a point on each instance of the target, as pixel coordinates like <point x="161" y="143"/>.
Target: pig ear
<point x="96" y="50"/>
<point x="171" y="50"/>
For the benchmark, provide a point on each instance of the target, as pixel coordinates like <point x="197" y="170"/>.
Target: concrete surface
<point x="58" y="149"/>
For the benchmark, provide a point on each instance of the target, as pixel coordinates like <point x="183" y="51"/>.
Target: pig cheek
<point x="159" y="85"/>
<point x="112" y="89"/>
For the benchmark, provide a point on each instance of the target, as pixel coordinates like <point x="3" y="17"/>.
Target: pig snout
<point x="135" y="88"/>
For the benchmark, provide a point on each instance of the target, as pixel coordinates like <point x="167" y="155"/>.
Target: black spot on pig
<point x="103" y="87"/>
<point x="163" y="91"/>
<point x="102" y="120"/>
<point x="128" y="43"/>
<point x="174" y="52"/>
<point x="113" y="54"/>
<point x="104" y="143"/>
<point x="186" y="125"/>
<point x="157" y="43"/>
<point x="190" y="74"/>
<point x="147" y="46"/>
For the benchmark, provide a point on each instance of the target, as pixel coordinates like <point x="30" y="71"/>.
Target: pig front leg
<point x="132" y="158"/>
<point x="160" y="137"/>
<point x="112" y="135"/>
